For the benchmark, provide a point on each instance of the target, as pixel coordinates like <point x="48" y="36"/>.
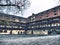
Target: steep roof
<point x="45" y="11"/>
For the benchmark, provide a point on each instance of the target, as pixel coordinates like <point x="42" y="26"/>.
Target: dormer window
<point x="33" y="18"/>
<point x="54" y="10"/>
<point x="47" y="12"/>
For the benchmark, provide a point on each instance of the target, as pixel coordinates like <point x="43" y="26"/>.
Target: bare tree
<point x="13" y="6"/>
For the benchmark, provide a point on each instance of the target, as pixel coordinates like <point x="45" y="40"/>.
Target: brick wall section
<point x="42" y="15"/>
<point x="47" y="14"/>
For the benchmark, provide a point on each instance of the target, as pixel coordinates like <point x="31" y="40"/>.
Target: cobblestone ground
<point x="43" y="40"/>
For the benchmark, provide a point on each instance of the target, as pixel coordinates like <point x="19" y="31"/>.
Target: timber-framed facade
<point x="43" y="23"/>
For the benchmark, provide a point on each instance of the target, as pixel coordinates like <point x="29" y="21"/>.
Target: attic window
<point x="47" y="12"/>
<point x="54" y="10"/>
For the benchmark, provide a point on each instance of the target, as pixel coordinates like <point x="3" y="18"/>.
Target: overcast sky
<point x="39" y="6"/>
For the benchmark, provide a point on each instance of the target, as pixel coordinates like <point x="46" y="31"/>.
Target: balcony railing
<point x="44" y="28"/>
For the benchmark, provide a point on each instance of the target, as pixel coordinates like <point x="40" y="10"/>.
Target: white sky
<point x="39" y="6"/>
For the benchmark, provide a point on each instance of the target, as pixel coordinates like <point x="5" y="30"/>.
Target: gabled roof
<point x="44" y="11"/>
<point x="12" y="15"/>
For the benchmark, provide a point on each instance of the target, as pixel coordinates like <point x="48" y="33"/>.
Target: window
<point x="49" y="25"/>
<point x="54" y="10"/>
<point x="9" y="26"/>
<point x="40" y="17"/>
<point x="32" y="26"/>
<point x="33" y="18"/>
<point x="57" y="24"/>
<point x="1" y="31"/>
<point x="47" y="12"/>
<point x="56" y="19"/>
<point x="40" y="26"/>
<point x="46" y="25"/>
<point x="1" y="25"/>
<point x="43" y="25"/>
<point x="47" y="16"/>
<point x="15" y="26"/>
<point x="52" y="25"/>
<point x="55" y="13"/>
<point x="5" y="31"/>
<point x="44" y="21"/>
<point x="20" y="27"/>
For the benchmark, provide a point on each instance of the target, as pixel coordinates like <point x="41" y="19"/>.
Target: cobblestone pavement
<point x="43" y="40"/>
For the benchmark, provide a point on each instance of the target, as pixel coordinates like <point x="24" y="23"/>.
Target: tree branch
<point x="8" y="5"/>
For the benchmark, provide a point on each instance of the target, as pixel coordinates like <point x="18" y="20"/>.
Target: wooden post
<point x="11" y="32"/>
<point x="32" y="32"/>
<point x="25" y="31"/>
